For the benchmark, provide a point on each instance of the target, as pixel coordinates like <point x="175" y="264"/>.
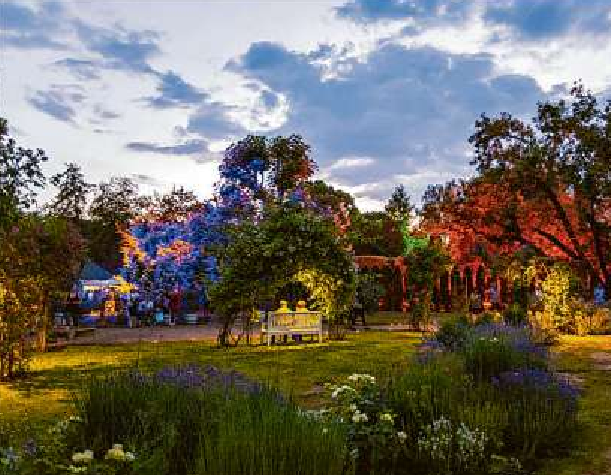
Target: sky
<point x="386" y="92"/>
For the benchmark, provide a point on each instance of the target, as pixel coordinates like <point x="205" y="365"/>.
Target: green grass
<point x="593" y="452"/>
<point x="399" y="318"/>
<point x="298" y="371"/>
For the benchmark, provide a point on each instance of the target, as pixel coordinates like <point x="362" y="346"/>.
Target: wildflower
<point x="83" y="457"/>
<point x="325" y="430"/>
<point x="353" y="407"/>
<point x="354" y="453"/>
<point x="359" y="417"/>
<point x="116" y="453"/>
<point x="402" y="436"/>
<point x="130" y="456"/>
<point x="386" y="417"/>
<point x="74" y="469"/>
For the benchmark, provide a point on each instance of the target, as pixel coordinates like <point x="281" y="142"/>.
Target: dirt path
<point x="113" y="336"/>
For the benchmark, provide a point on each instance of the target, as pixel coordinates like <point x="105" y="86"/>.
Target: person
<point x="358" y="308"/>
<point x="599" y="295"/>
<point x="73" y="309"/>
<point x="494" y="296"/>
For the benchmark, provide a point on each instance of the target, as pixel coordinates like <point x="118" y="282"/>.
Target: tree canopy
<point x="546" y="186"/>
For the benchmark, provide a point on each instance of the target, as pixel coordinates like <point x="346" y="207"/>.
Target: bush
<point x="515" y="315"/>
<point x="493" y="349"/>
<point x="453" y="334"/>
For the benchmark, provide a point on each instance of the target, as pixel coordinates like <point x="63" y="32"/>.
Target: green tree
<point x="40" y="258"/>
<point x="288" y="244"/>
<point x="115" y="203"/>
<point x="21" y="176"/>
<point x="399" y="207"/>
<point x="72" y="191"/>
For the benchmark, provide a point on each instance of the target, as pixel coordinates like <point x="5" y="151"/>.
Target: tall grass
<point x="216" y="430"/>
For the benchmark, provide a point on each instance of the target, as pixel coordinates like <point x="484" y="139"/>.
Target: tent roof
<point x="92" y="271"/>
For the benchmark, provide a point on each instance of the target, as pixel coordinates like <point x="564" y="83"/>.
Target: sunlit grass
<point x="593" y="452"/>
<point x="297" y="370"/>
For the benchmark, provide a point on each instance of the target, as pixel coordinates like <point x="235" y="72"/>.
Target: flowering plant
<point x="372" y="432"/>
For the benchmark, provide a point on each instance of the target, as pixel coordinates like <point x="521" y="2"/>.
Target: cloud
<point x="530" y="20"/>
<point x="540" y="19"/>
<point x="213" y="121"/>
<point x="59" y="101"/>
<point x="174" y="91"/>
<point x="418" y="10"/>
<point x="122" y="49"/>
<point x="190" y="147"/>
<point x="408" y="110"/>
<point x="102" y="115"/>
<point x="25" y="28"/>
<point x="83" y="69"/>
<point x="143" y="179"/>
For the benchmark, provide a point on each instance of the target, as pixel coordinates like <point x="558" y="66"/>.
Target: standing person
<point x="73" y="309"/>
<point x="174" y="305"/>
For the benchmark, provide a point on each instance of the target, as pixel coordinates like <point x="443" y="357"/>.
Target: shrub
<point x="453" y="334"/>
<point x="494" y="349"/>
<point x="541" y="413"/>
<point x="516" y="315"/>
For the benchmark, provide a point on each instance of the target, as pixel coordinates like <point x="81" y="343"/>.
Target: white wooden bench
<point x="293" y="323"/>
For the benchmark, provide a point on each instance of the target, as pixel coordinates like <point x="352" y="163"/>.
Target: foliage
<point x="54" y="455"/>
<point x="369" y="290"/>
<point x="39" y="261"/>
<point x="72" y="192"/>
<point x="399" y="207"/>
<point x="546" y="186"/>
<point x="372" y="438"/>
<point x="195" y="420"/>
<point x="426" y="265"/>
<point x="374" y="234"/>
<point x="515" y="314"/>
<point x="20" y="176"/>
<point x="287" y="244"/>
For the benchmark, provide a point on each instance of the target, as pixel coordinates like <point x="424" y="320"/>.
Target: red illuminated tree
<point x="545" y="185"/>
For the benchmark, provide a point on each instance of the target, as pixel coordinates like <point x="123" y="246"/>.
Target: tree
<point x="72" y="193"/>
<point x="40" y="258"/>
<point x="115" y="203"/>
<point x="546" y="186"/>
<point x="176" y="204"/>
<point x="373" y="234"/>
<point x="289" y="244"/>
<point x="399" y="207"/>
<point x="21" y="176"/>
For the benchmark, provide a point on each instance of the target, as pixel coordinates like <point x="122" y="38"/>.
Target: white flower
<point x="359" y="417"/>
<point x="354" y="453"/>
<point x="402" y="436"/>
<point x="353" y="407"/>
<point x="83" y="457"/>
<point x="129" y="456"/>
<point x="325" y="430"/>
<point x="386" y="417"/>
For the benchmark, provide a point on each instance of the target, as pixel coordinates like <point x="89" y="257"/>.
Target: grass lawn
<point x="300" y="371"/>
<point x="575" y="355"/>
<point x="399" y="318"/>
<point x="296" y="370"/>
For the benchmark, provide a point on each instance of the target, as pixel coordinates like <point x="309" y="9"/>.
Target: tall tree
<point x="72" y="192"/>
<point x="173" y="205"/>
<point x="21" y="176"/>
<point x="115" y="203"/>
<point x="545" y="185"/>
<point x="399" y="207"/>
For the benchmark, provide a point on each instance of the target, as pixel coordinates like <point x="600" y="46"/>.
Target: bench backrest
<point x="294" y="320"/>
